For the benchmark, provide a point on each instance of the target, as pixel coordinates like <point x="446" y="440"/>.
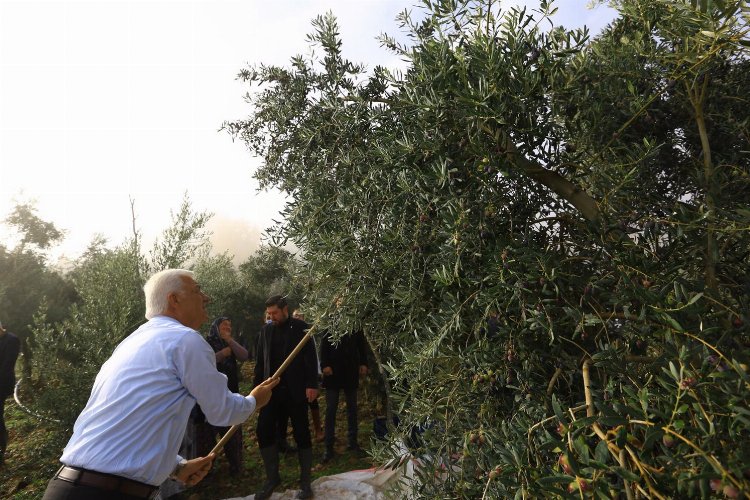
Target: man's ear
<point x="173" y="300"/>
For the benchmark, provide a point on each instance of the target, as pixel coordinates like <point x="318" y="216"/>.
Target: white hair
<point x="159" y="286"/>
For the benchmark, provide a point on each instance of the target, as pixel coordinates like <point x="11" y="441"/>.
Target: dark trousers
<point x="271" y="416"/>
<point x="205" y="435"/>
<point x="283" y="421"/>
<point x="332" y="404"/>
<point x="3" y="430"/>
<point x="57" y="489"/>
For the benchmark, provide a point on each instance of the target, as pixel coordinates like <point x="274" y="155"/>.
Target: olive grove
<point x="108" y="305"/>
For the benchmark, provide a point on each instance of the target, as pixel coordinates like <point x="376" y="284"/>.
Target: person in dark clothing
<point x="228" y="353"/>
<point x="342" y="364"/>
<point x="9" y="349"/>
<point x="314" y="408"/>
<point x="298" y="387"/>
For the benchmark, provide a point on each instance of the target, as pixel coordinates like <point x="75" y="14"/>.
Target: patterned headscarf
<point x="213" y="337"/>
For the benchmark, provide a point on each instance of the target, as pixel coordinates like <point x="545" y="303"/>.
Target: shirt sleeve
<point x="195" y="364"/>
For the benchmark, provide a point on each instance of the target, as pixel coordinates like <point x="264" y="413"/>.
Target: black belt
<point x="106" y="482"/>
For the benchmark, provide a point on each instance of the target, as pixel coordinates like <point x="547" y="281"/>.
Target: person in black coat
<point x="342" y="364"/>
<point x="9" y="349"/>
<point x="298" y="387"/>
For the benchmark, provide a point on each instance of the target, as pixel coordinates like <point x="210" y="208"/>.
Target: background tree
<point x="27" y="280"/>
<point x="269" y="271"/>
<point x="69" y="353"/>
<point x="184" y="239"/>
<point x="544" y="235"/>
<point x="220" y="280"/>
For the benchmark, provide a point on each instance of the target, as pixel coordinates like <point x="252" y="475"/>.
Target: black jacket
<point x="9" y="347"/>
<point x="344" y="358"/>
<point x="302" y="373"/>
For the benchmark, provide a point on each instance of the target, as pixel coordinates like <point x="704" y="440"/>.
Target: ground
<point x="32" y="456"/>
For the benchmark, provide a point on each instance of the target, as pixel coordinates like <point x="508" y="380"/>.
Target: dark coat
<point x="302" y="373"/>
<point x="228" y="366"/>
<point x="9" y="348"/>
<point x="344" y="358"/>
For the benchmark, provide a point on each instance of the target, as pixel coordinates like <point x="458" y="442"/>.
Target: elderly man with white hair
<point x="125" y="441"/>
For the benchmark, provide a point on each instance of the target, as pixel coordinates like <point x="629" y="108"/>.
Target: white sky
<point x="104" y="100"/>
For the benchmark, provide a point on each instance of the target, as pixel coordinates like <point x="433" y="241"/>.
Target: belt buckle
<point x="57" y="474"/>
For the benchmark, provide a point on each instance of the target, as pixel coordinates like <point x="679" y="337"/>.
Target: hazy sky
<point x="104" y="100"/>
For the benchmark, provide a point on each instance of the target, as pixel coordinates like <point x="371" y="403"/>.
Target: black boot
<point x="270" y="456"/>
<point x="305" y="471"/>
<point x="355" y="449"/>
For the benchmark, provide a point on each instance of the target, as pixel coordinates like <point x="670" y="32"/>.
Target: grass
<point x="32" y="455"/>
<point x="35" y="447"/>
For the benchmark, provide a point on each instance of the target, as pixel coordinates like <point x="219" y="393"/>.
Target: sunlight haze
<point x="104" y="101"/>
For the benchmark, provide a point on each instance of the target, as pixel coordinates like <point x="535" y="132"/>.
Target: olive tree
<point x="543" y="234"/>
<point x="27" y="280"/>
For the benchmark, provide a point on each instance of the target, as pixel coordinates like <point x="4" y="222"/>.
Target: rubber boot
<point x="305" y="472"/>
<point x="315" y="412"/>
<point x="270" y="456"/>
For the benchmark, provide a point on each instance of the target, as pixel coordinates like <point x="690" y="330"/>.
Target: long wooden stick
<point x="278" y="373"/>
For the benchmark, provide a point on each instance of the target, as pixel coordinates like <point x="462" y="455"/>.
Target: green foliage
<point x="183" y="240"/>
<point x="26" y="281"/>
<point x="33" y="230"/>
<point x="220" y="280"/>
<point x="271" y="270"/>
<point x="524" y="207"/>
<point x="68" y="354"/>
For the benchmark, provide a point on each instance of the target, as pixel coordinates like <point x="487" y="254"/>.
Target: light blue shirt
<point x="135" y="418"/>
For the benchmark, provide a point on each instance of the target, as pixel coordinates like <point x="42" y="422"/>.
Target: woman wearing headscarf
<point x="228" y="353"/>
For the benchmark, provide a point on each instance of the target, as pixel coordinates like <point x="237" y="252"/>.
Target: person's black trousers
<point x="206" y="434"/>
<point x="270" y="416"/>
<point x="3" y="430"/>
<point x="332" y="403"/>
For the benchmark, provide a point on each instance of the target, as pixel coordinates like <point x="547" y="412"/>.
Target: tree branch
<point x="581" y="200"/>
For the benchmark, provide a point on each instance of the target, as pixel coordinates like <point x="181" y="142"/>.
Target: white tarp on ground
<point x="369" y="484"/>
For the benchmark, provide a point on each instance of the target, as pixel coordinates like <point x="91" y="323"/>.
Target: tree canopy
<point x="544" y="234"/>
